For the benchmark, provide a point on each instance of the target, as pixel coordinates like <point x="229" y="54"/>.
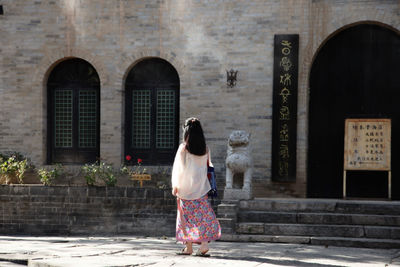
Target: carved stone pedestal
<point x="237" y="194"/>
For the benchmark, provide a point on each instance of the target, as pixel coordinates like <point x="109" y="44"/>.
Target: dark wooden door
<point x="152" y="112"/>
<point x="73" y="113"/>
<point x="356" y="74"/>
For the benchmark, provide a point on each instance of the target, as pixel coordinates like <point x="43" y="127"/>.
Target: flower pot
<point x="8" y="178"/>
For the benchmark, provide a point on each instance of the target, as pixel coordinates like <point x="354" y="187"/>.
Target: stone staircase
<point x="350" y="223"/>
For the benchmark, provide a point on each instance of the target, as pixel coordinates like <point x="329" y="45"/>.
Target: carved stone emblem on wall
<point x="231" y="77"/>
<point x="239" y="166"/>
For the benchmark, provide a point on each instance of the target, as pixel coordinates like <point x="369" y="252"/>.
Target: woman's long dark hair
<point x="194" y="137"/>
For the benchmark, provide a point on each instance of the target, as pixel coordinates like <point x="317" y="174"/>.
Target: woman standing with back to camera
<point x="196" y="221"/>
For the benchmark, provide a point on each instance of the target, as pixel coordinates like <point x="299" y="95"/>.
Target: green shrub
<point x="99" y="171"/>
<point x="13" y="166"/>
<point x="47" y="176"/>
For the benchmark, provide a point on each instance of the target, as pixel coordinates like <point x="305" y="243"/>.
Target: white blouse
<point x="189" y="174"/>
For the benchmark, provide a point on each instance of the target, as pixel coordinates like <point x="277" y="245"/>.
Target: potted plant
<point x="99" y="171"/>
<point x="13" y="168"/>
<point x="47" y="176"/>
<point x="137" y="173"/>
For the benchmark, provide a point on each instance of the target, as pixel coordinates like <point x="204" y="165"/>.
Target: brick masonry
<point x="201" y="39"/>
<point x="81" y="210"/>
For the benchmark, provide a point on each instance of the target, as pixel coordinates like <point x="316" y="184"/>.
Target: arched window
<point x="73" y="113"/>
<point x="152" y="111"/>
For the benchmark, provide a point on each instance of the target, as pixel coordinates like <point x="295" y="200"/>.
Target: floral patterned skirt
<point x="196" y="221"/>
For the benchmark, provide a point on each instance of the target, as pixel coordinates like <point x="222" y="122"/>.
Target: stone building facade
<point x="201" y="39"/>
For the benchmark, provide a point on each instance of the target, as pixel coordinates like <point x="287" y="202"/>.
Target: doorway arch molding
<point x="128" y="62"/>
<point x="321" y="31"/>
<point x="53" y="57"/>
<point x="344" y="27"/>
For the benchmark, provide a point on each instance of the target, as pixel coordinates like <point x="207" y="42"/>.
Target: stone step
<point x="322" y="205"/>
<point x="227" y="210"/>
<point x="228" y="225"/>
<point x="318" y="218"/>
<point x="322" y="241"/>
<point x="355" y="231"/>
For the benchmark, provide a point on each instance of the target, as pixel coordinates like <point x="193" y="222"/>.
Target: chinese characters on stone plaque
<point x="367" y="144"/>
<point x="284" y="129"/>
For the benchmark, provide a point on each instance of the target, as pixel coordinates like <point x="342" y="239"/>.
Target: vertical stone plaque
<point x="284" y="124"/>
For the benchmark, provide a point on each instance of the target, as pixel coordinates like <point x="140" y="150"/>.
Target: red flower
<point x="139" y="161"/>
<point x="128" y="157"/>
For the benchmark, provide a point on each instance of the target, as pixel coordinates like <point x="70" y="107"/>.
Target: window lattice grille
<point x="165" y="122"/>
<point x="141" y="118"/>
<point x="63" y="118"/>
<point x="87" y="118"/>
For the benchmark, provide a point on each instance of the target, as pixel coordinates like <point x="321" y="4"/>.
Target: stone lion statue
<point x="238" y="159"/>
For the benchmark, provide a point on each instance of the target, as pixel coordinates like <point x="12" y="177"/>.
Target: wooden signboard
<point x="367" y="146"/>
<point x="141" y="178"/>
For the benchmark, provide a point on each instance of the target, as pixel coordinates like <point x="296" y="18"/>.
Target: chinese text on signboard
<point x="367" y="144"/>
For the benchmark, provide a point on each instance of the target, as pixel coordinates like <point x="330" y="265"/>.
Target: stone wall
<point x="62" y="210"/>
<point x="201" y="39"/>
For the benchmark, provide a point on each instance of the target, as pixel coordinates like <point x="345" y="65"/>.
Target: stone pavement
<point x="142" y="251"/>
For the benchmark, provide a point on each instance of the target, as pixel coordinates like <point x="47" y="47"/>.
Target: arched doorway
<point x="355" y="74"/>
<point x="73" y="113"/>
<point x="152" y="111"/>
